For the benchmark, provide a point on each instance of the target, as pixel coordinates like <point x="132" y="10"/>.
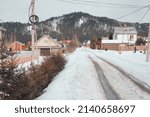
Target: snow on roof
<point x="125" y="30"/>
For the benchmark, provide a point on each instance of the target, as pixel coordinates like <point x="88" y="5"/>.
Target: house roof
<point x="125" y="30"/>
<point x="18" y="42"/>
<point x="15" y="43"/>
<point x="55" y="44"/>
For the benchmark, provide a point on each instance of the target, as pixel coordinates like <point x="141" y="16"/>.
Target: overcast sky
<point x="17" y="10"/>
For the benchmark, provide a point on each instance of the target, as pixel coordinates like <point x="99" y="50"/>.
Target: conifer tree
<point x="10" y="74"/>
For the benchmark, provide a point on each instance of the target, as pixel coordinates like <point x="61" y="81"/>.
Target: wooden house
<point x="126" y="34"/>
<point x="47" y="46"/>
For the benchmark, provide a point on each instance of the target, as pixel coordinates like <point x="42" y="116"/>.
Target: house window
<point x="45" y="41"/>
<point x="131" y="37"/>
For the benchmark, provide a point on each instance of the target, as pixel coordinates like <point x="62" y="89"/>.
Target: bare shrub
<point x="40" y="76"/>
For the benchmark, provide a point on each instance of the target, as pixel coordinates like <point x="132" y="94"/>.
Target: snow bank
<point x="26" y="65"/>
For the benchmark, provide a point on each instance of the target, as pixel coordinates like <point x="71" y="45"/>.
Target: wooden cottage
<point x="126" y="34"/>
<point x="47" y="46"/>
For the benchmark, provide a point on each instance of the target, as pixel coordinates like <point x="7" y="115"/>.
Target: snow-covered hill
<point x="84" y="25"/>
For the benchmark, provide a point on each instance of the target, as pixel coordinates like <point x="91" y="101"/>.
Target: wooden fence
<point x="23" y="57"/>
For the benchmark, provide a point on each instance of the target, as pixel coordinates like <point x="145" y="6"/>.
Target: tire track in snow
<point x="109" y="92"/>
<point x="140" y="84"/>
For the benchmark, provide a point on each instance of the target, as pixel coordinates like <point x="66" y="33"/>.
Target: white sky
<point x="17" y="10"/>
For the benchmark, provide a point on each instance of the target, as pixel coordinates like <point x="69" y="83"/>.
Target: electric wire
<point x="95" y="3"/>
<point x="1" y="20"/>
<point x="131" y="12"/>
<point x="107" y="3"/>
<point x="144" y="15"/>
<point x="92" y="3"/>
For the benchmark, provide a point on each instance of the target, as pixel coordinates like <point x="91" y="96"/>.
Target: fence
<point x="131" y="48"/>
<point x="26" y="56"/>
<point x="120" y="47"/>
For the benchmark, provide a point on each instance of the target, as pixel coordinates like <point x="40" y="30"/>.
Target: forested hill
<point x="84" y="25"/>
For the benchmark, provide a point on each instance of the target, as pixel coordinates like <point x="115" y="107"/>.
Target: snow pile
<point x="78" y="80"/>
<point x="26" y="65"/>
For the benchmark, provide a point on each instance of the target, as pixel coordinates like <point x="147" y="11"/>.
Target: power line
<point x="144" y="15"/>
<point x="102" y="4"/>
<point x="114" y="5"/>
<point x="108" y="3"/>
<point x="1" y="20"/>
<point x="132" y="12"/>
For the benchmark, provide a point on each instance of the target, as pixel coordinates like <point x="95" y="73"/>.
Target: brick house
<point x="16" y="46"/>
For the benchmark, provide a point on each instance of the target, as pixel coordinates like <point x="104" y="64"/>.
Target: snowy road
<point x="87" y="77"/>
<point x="109" y="92"/>
<point x="122" y="84"/>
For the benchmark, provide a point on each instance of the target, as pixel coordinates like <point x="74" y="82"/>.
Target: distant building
<point x="123" y="39"/>
<point x="125" y="34"/>
<point x="65" y="42"/>
<point x="46" y="45"/>
<point x="16" y="46"/>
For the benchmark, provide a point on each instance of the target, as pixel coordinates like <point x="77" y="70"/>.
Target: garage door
<point x="45" y="52"/>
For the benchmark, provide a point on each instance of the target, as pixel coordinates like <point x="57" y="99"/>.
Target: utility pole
<point x="33" y="29"/>
<point x="148" y="44"/>
<point x="34" y="19"/>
